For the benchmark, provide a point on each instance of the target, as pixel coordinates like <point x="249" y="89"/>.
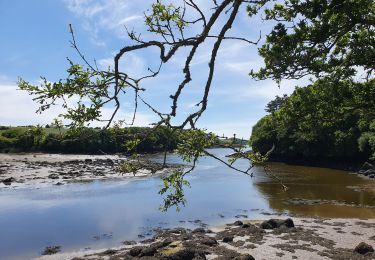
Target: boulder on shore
<point x="238" y="223"/>
<point x="276" y="223"/>
<point x="363" y="248"/>
<point x="8" y="181"/>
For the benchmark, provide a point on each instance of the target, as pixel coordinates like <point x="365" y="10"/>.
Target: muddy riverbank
<point x="34" y="170"/>
<point x="300" y="238"/>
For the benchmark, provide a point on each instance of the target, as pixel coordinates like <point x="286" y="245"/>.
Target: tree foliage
<point x="276" y="104"/>
<point x="320" y="38"/>
<point x="87" y="140"/>
<point x="330" y="120"/>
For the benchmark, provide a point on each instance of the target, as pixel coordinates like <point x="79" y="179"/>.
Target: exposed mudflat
<point x="307" y="238"/>
<point x="35" y="170"/>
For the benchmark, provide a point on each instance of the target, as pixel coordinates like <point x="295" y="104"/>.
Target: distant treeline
<point x="94" y="140"/>
<point x="325" y="121"/>
<point x="84" y="140"/>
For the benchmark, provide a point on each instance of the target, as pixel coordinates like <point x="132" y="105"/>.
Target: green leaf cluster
<point x="164" y="18"/>
<point x="89" y="88"/>
<point x="192" y="143"/>
<point x="173" y="187"/>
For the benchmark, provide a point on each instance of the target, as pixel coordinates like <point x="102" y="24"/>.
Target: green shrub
<point x="6" y="142"/>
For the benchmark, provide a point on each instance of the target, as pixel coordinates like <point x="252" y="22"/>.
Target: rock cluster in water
<point x="367" y="170"/>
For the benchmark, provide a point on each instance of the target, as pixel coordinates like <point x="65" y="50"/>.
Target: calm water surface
<point x="102" y="214"/>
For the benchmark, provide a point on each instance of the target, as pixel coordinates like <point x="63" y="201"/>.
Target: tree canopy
<point x="319" y="38"/>
<point x="325" y="121"/>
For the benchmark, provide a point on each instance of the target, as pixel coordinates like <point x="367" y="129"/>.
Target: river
<point x="102" y="214"/>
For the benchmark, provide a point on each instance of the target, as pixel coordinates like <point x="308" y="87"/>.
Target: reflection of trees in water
<point x="318" y="192"/>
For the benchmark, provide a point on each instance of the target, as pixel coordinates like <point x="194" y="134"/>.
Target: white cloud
<point x="141" y="119"/>
<point x="4" y="79"/>
<point x="129" y="19"/>
<point x="107" y="15"/>
<point x="259" y="90"/>
<point x="132" y="64"/>
<point x="267" y="91"/>
<point x="18" y="108"/>
<point x="242" y="67"/>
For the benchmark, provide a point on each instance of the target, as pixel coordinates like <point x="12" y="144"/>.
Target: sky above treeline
<point x="35" y="42"/>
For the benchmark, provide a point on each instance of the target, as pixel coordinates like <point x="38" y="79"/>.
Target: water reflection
<point x="320" y="192"/>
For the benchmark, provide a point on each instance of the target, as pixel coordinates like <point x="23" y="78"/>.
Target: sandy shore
<point x="308" y="239"/>
<point x="35" y="170"/>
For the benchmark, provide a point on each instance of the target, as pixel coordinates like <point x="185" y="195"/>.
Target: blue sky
<point x="35" y="42"/>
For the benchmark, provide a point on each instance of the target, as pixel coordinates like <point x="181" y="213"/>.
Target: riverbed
<point x="103" y="213"/>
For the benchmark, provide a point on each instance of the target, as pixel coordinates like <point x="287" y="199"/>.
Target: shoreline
<point x="301" y="238"/>
<point x="36" y="169"/>
<point x="323" y="163"/>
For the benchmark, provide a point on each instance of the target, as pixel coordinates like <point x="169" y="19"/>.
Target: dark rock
<point x="135" y="251"/>
<point x="129" y="242"/>
<point x="238" y="223"/>
<point x="50" y="250"/>
<point x="8" y="181"/>
<point x="178" y="231"/>
<point x="163" y="243"/>
<point x="109" y="161"/>
<point x="228" y="239"/>
<point x="199" y="230"/>
<point x="88" y="160"/>
<point x="208" y="241"/>
<point x="109" y="252"/>
<point x="53" y="176"/>
<point x="289" y="223"/>
<point x="371" y="171"/>
<point x="372" y="176"/>
<point x="184" y="254"/>
<point x="245" y="226"/>
<point x="149" y="240"/>
<point x="97" y="173"/>
<point x="276" y="223"/>
<point x="363" y="248"/>
<point x="367" y="166"/>
<point x="186" y="236"/>
<point x="59" y="184"/>
<point x="244" y="257"/>
<point x="269" y="224"/>
<point x="148" y="251"/>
